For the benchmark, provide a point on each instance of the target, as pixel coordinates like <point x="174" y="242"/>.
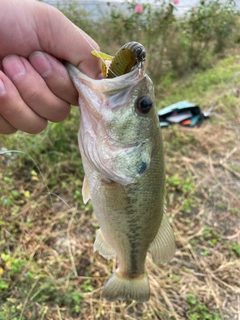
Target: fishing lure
<point x="130" y="55"/>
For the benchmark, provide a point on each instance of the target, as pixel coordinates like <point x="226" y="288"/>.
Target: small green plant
<point x="3" y="285"/>
<point x="198" y="310"/>
<point x="210" y="235"/>
<point x="235" y="246"/>
<point x="183" y="188"/>
<point x="71" y="298"/>
<point x="87" y="286"/>
<point x="204" y="252"/>
<point x="186" y="186"/>
<point x="14" y="265"/>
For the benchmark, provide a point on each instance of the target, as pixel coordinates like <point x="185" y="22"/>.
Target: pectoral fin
<point x="85" y="191"/>
<point x="163" y="246"/>
<point x="103" y="247"/>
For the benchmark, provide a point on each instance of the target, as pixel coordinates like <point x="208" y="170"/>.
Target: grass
<point x="47" y="266"/>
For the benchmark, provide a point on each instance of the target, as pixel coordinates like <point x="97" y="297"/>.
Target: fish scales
<point x="125" y="224"/>
<point x="122" y="153"/>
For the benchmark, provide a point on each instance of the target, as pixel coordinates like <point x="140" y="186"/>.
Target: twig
<point x="69" y="246"/>
<point x="58" y="312"/>
<point x="27" y="298"/>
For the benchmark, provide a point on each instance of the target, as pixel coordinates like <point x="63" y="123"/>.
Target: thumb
<point x="58" y="36"/>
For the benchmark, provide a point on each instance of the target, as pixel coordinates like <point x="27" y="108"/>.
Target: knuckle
<point x="32" y="95"/>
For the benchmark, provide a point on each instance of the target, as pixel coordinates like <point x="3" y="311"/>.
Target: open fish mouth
<point x="107" y="86"/>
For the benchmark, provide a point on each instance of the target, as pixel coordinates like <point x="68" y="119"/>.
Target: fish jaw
<point x="102" y="104"/>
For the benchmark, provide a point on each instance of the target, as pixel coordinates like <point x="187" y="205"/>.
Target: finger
<point x="14" y="111"/>
<point x="6" y="127"/>
<point x="68" y="42"/>
<point x="55" y="75"/>
<point x="34" y="90"/>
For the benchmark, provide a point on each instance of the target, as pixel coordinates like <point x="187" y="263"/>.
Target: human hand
<point x="34" y="85"/>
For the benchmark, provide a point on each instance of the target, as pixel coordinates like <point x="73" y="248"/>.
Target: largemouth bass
<point x="122" y="154"/>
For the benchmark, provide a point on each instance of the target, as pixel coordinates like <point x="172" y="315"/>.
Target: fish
<point x="122" y="153"/>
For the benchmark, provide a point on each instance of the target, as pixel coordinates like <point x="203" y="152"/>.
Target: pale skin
<point x="34" y="85"/>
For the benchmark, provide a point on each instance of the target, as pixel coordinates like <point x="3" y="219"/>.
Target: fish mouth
<point x="107" y="86"/>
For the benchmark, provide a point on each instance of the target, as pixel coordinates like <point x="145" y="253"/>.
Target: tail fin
<point x="121" y="288"/>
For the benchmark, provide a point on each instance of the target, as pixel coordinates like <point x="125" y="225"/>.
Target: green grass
<point x="204" y="87"/>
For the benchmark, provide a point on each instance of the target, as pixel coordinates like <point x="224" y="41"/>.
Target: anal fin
<point x="163" y="246"/>
<point x="103" y="247"/>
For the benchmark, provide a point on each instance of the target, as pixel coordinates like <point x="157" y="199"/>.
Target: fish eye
<point x="144" y="104"/>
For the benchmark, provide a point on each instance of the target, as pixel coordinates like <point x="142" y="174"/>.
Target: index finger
<point x="68" y="42"/>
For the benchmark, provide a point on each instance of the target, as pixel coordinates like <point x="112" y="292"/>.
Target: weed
<point x="198" y="310"/>
<point x="12" y="264"/>
<point x="185" y="189"/>
<point x="210" y="235"/>
<point x="87" y="286"/>
<point x="235" y="246"/>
